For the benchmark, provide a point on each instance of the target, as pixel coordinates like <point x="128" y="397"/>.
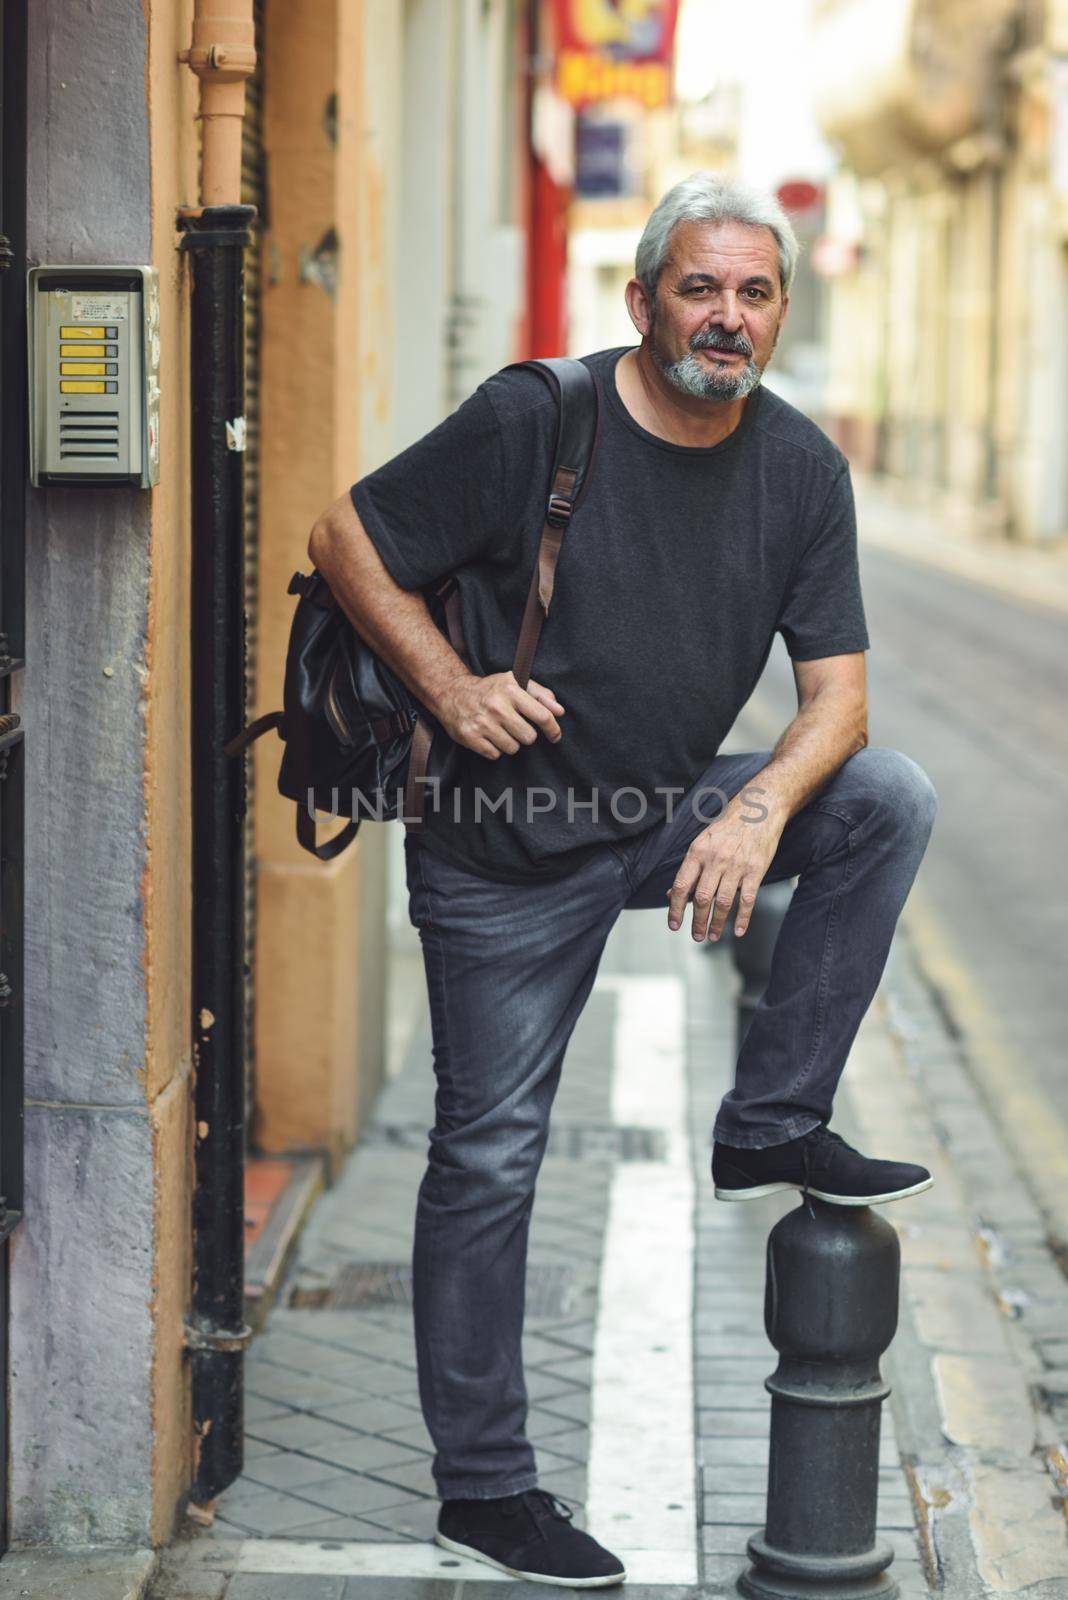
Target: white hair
<point x="707" y="197"/>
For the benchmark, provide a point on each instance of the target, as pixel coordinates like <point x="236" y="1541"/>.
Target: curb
<point x="92" y="1573"/>
<point x="269" y="1255"/>
<point x="980" y="1398"/>
<point x="887" y="521"/>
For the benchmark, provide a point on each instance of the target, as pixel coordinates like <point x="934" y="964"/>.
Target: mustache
<point x="711" y="341"/>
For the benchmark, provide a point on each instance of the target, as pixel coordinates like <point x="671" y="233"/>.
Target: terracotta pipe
<point x="223" y="55"/>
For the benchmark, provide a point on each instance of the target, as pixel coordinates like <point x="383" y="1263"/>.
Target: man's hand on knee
<point x="727" y="860"/>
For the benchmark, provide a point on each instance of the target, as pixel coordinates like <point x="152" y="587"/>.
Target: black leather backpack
<point x="357" y="744"/>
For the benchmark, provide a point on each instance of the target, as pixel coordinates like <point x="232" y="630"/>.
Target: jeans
<point x="509" y="968"/>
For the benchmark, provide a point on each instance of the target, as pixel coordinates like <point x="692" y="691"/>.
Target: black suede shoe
<point x="530" y="1536"/>
<point x="819" y="1163"/>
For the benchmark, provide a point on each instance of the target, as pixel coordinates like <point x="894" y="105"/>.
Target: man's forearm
<point x="827" y="730"/>
<point x="395" y="622"/>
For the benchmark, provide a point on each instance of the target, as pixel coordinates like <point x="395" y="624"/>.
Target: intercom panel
<point x="94" y="375"/>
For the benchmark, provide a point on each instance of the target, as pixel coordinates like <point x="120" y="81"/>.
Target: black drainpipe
<point x="216" y="1334"/>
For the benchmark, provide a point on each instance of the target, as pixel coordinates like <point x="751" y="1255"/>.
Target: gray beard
<point x="690" y="376"/>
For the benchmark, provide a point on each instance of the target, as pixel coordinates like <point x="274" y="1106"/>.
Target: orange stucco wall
<point x="312" y="959"/>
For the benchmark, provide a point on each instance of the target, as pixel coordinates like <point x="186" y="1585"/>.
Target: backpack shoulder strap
<point x="577" y="428"/>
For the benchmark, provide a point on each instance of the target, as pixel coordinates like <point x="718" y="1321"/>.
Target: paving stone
<point x="550" y="1461"/>
<point x="515" y="1589"/>
<point x="416" y="1477"/>
<point x="570" y="1484"/>
<point x="632" y="1591"/>
<point x="579" y="1369"/>
<point x="737" y="1397"/>
<point x="414" y="1436"/>
<point x="714" y="1365"/>
<point x="726" y="1539"/>
<point x="394" y="1344"/>
<point x="252" y="1448"/>
<point x="539" y="1352"/>
<point x="734" y="1327"/>
<point x="286" y="1470"/>
<point x="546" y="1424"/>
<point x="727" y="1507"/>
<point x="294" y="1389"/>
<point x="285" y="1349"/>
<point x="321" y="1326"/>
<point x="381" y="1381"/>
<point x="195" y="1586"/>
<point x="904" y="1544"/>
<point x="574" y="1445"/>
<point x="731" y="1295"/>
<point x="414" y="1519"/>
<point x="719" y="1452"/>
<point x="341" y="1529"/>
<point x="721" y="1573"/>
<point x="376" y="1414"/>
<point x="258" y="1410"/>
<point x="734" y="1477"/>
<point x="716" y="1424"/>
<point x="735" y="1509"/>
<point x="573" y="1405"/>
<point x="288" y="1586"/>
<point x="269" y="1512"/>
<point x="895" y="1511"/>
<point x="300" y="1431"/>
<point x="244" y="1491"/>
<point x="577" y="1336"/>
<point x="408" y="1589"/>
<point x="365" y="1452"/>
<point x="350" y="1367"/>
<point x="351" y="1494"/>
<point x="547" y="1386"/>
<point x="224" y="1530"/>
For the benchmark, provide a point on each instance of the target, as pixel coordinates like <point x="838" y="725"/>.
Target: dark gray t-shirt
<point x="676" y="572"/>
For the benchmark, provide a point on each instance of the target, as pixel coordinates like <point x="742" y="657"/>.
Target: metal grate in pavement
<point x="576" y="1141"/>
<point x="361" y="1285"/>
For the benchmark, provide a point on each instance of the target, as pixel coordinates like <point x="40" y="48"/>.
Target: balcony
<point x="898" y="79"/>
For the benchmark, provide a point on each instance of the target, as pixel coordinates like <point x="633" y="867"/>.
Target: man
<point x="716" y="514"/>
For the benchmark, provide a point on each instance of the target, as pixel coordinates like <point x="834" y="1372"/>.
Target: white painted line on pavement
<point x="356" y="1559"/>
<point x="641" y="1497"/>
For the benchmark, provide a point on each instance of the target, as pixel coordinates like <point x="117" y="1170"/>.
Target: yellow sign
<point x="583" y="78"/>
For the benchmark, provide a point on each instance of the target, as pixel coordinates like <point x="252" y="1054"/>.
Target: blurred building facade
<point x="946" y="251"/>
<point x="386" y="145"/>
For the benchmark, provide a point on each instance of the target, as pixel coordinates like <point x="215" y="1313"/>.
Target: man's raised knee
<point x="901" y="786"/>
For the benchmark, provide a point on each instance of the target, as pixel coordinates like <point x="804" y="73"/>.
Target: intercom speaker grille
<point x="89" y="433"/>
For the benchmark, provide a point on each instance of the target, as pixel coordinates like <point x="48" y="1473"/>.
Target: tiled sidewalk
<point x="337" y="1497"/>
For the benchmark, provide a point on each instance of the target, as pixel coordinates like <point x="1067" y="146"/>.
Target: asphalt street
<point x="970" y="682"/>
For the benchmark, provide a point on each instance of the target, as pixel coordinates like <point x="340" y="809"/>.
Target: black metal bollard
<point x="830" y="1309"/>
<point x="753" y="952"/>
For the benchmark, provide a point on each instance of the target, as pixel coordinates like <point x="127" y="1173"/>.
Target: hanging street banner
<point x="615" y="50"/>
